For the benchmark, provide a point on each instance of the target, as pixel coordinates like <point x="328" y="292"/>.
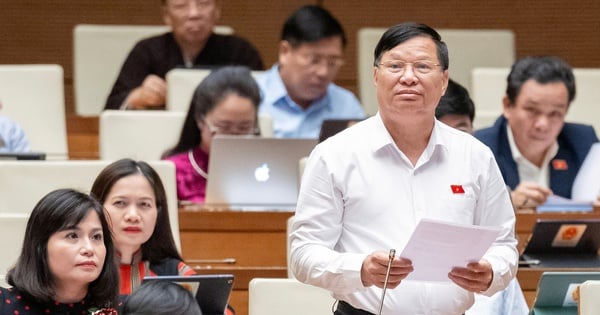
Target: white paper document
<point x="435" y="247"/>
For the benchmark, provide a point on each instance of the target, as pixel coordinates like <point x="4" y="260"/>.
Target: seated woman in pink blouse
<point x="225" y="102"/>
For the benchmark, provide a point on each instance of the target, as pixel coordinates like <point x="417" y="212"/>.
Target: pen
<point x="387" y="275"/>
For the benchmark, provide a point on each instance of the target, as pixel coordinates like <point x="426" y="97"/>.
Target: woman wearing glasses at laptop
<point x="225" y="102"/>
<point x="135" y="200"/>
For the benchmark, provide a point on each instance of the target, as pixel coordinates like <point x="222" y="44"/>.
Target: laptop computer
<point x="564" y="244"/>
<point x="22" y="156"/>
<point x="255" y="173"/>
<point x="211" y="291"/>
<point x="555" y="292"/>
<point x="330" y="127"/>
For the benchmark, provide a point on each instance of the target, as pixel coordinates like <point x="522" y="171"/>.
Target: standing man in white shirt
<point x="365" y="189"/>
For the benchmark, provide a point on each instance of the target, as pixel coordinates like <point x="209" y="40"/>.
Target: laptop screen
<point x="555" y="291"/>
<point x="22" y="156"/>
<point x="211" y="291"/>
<point x="255" y="173"/>
<point x="564" y="237"/>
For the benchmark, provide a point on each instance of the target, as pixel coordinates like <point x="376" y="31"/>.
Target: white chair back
<point x="24" y="183"/>
<point x="487" y="90"/>
<point x="271" y="296"/>
<point x="12" y="232"/>
<point x="181" y="84"/>
<point x="33" y="96"/>
<point x="585" y="108"/>
<point x="467" y="49"/>
<point x="140" y="135"/>
<point x="99" y="53"/>
<point x="589" y="297"/>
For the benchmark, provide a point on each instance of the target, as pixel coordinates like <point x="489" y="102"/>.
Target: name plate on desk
<point x="560" y="204"/>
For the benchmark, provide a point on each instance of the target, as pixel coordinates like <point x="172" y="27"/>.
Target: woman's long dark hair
<point x="59" y="210"/>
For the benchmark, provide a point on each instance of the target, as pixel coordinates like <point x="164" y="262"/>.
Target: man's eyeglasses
<point x="231" y="129"/>
<point x="398" y="67"/>
<point x="314" y="60"/>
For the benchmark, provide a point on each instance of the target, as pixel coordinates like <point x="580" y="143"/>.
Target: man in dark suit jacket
<point x="538" y="153"/>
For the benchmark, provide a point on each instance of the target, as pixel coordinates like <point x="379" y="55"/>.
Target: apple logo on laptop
<point x="261" y="173"/>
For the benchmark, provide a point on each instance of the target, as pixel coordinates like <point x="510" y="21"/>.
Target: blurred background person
<point x="539" y="154"/>
<point x="161" y="298"/>
<point x="456" y="109"/>
<point x="298" y="92"/>
<point x="66" y="265"/>
<point x="12" y="136"/>
<point x="191" y="43"/>
<point x="226" y="102"/>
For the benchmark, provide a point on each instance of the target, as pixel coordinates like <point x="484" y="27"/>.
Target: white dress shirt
<point x="360" y="194"/>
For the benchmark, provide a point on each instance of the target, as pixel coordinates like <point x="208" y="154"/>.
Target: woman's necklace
<point x="196" y="166"/>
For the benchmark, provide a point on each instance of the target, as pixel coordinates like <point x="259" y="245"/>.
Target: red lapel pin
<point x="457" y="189"/>
<point x="560" y="165"/>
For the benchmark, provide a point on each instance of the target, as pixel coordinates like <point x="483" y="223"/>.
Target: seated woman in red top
<point x="135" y="200"/>
<point x="225" y="102"/>
<point x="136" y="203"/>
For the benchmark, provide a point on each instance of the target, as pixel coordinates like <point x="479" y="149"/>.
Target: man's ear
<point x="506" y="106"/>
<point x="165" y="15"/>
<point x="285" y="49"/>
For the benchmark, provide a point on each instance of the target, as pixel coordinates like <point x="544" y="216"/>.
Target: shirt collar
<point x="382" y="138"/>
<point x="518" y="156"/>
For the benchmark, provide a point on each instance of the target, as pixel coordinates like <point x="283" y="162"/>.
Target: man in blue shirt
<point x="12" y="137"/>
<point x="298" y="92"/>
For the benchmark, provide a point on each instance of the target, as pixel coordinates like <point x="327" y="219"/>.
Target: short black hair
<point x="309" y="24"/>
<point x="456" y="101"/>
<point x="161" y="298"/>
<point x="400" y="33"/>
<point x="545" y="69"/>
<point x="59" y="210"/>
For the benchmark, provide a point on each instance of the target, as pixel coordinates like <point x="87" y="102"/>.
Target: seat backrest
<point x="589" y="297"/>
<point x="140" y="135"/>
<point x="98" y="54"/>
<point x="489" y="87"/>
<point x="33" y="96"/>
<point x="181" y="84"/>
<point x="24" y="183"/>
<point x="271" y="296"/>
<point x="585" y="108"/>
<point x="12" y="232"/>
<point x="467" y="49"/>
<point x="487" y="90"/>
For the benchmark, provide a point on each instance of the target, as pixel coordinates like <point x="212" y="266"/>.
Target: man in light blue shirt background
<point x="12" y="137"/>
<point x="298" y="92"/>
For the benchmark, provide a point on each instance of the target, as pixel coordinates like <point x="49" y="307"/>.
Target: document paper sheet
<point x="435" y="247"/>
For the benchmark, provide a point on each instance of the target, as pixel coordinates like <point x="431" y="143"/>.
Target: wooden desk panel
<point x="237" y="248"/>
<point x="246" y="244"/>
